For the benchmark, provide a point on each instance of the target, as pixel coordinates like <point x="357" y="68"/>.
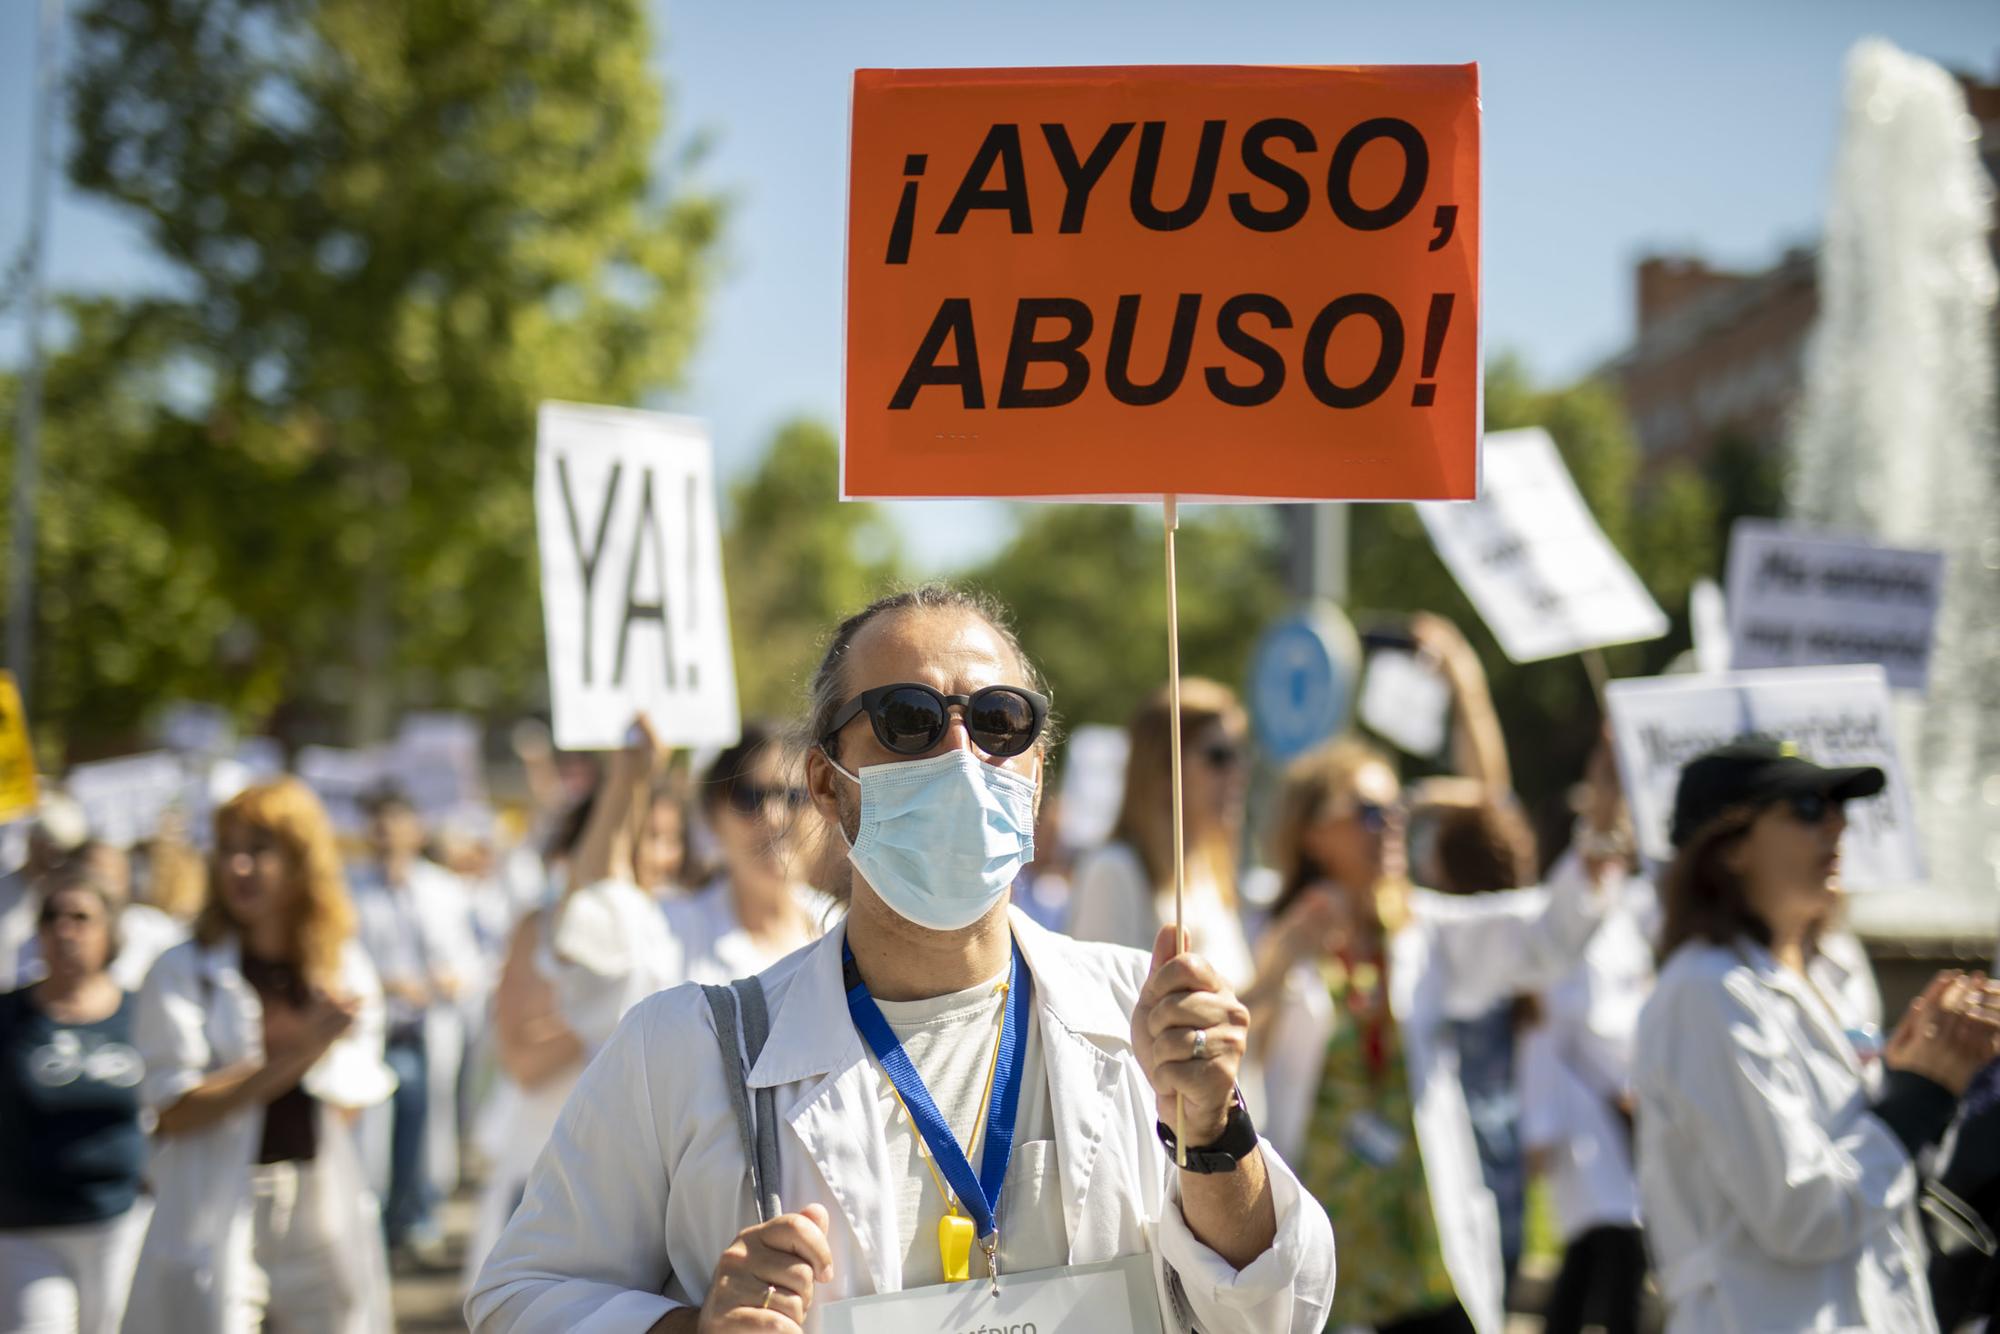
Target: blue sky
<point x="1611" y="129"/>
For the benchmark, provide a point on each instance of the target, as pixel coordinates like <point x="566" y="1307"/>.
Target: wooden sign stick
<point x="1600" y="675"/>
<point x="1173" y="521"/>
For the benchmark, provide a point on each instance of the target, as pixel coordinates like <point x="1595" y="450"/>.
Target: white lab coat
<point x="615" y="944"/>
<point x="1775" y="1200"/>
<point x="197" y="1015"/>
<point x="444" y="916"/>
<point x="1577" y="1065"/>
<point x="1456" y="957"/>
<point x="644" y="1183"/>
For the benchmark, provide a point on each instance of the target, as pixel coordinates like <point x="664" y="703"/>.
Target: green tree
<point x="1087" y="588"/>
<point x="128" y="617"/>
<point x="394" y="228"/>
<point x="796" y="561"/>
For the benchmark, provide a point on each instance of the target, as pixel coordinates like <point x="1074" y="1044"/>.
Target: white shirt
<point x="644" y="1184"/>
<point x="1456" y="957"/>
<point x="1113" y="899"/>
<point x="1576" y="1066"/>
<point x="417" y="930"/>
<point x="1774" y="1198"/>
<point x="144" y="934"/>
<point x="615" y="944"/>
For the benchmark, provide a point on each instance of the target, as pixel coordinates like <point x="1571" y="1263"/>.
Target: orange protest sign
<point x="1227" y="282"/>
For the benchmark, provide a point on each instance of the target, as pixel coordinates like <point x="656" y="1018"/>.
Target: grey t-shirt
<point x="949" y="1039"/>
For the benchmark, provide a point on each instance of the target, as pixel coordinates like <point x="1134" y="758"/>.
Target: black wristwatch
<point x="1238" y="1141"/>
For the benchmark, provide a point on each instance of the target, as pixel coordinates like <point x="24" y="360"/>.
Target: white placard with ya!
<point x="1799" y="599"/>
<point x="1834" y="715"/>
<point x="1533" y="560"/>
<point x="1406" y="703"/>
<point x="632" y="578"/>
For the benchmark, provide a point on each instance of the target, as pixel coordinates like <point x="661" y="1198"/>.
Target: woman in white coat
<point x="614" y="943"/>
<point x="1778" y="1195"/>
<point x="641" y="1215"/>
<point x="1123" y="892"/>
<point x="262" y="1037"/>
<point x="1360" y="1070"/>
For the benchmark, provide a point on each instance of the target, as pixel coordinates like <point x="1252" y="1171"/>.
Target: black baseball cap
<point x="1755" y="773"/>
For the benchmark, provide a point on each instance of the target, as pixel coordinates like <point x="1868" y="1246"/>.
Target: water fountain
<point x="1896" y="438"/>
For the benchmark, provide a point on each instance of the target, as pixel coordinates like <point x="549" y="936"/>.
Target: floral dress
<point x="1362" y="1163"/>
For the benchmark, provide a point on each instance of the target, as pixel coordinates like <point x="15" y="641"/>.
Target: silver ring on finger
<point x="1201" y="1044"/>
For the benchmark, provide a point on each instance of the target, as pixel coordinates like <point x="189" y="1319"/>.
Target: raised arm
<point x="605" y="850"/>
<point x="1478" y="746"/>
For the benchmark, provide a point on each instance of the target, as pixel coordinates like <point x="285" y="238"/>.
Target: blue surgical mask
<point x="942" y="839"/>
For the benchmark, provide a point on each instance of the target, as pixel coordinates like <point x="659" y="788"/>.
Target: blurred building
<point x="1720" y="354"/>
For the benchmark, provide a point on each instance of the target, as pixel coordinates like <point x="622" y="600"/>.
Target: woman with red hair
<point x="262" y="1036"/>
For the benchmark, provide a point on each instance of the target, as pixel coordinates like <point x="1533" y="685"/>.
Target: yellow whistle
<point x="955" y="1240"/>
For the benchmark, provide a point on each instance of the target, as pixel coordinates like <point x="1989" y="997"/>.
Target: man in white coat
<point x="415" y="923"/>
<point x="934" y="1028"/>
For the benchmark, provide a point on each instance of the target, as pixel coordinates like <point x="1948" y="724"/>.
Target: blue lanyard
<point x="981" y="1194"/>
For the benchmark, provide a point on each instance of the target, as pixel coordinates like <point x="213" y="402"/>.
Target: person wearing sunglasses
<point x="1364" y="974"/>
<point x="72" y="1150"/>
<point x="617" y="944"/>
<point x="933" y="1028"/>
<point x="1776" y="1170"/>
<point x="1124" y="891"/>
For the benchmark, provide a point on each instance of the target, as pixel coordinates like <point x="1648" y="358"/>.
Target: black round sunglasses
<point x="910" y="718"/>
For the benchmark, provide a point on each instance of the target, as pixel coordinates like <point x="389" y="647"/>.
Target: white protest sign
<point x="1406" y="703"/>
<point x="1533" y="560"/>
<point x="632" y="578"/>
<point x="1799" y="599"/>
<point x="125" y="798"/>
<point x="1834" y="715"/>
<point x="342" y="778"/>
<point x="1093" y="784"/>
<point x="197" y="729"/>
<point x="436" y="761"/>
<point x="1708" y="620"/>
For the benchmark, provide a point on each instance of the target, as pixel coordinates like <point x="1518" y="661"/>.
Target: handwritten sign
<point x="436" y="761"/>
<point x="1799" y="599"/>
<point x="343" y="779"/>
<point x="632" y="578"/>
<point x="1533" y="560"/>
<point x="18" y="793"/>
<point x="1406" y="702"/>
<point x="125" y="798"/>
<point x="1834" y="715"/>
<point x="1221" y="282"/>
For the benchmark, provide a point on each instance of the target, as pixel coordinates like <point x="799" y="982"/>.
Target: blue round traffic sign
<point x="1302" y="677"/>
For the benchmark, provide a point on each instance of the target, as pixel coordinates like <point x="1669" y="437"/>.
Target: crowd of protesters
<point x="244" y="1064"/>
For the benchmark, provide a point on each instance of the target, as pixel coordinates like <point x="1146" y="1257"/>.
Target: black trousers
<point x="1602" y="1277"/>
<point x="1444" y="1320"/>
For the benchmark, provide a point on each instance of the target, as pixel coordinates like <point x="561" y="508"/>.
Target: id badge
<point x="1110" y="1297"/>
<point x="1373" y="1139"/>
